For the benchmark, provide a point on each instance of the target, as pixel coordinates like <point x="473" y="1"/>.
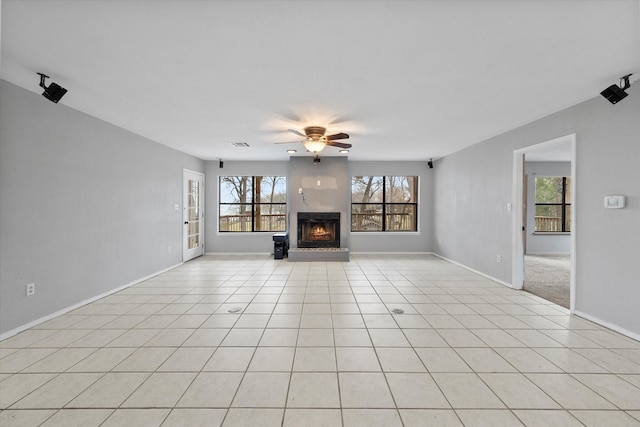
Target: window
<point x="553" y="204"/>
<point x="384" y="203"/>
<point x="253" y="203"/>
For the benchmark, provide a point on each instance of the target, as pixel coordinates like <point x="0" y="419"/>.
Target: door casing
<point x="517" y="268"/>
<point x="190" y="253"/>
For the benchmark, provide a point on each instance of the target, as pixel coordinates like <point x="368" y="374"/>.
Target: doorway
<point x="544" y="220"/>
<point x="192" y="215"/>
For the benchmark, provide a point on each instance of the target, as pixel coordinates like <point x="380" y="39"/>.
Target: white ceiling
<point x="409" y="80"/>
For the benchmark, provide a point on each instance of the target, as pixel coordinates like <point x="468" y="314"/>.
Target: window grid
<point x="564" y="206"/>
<point x="387" y="212"/>
<point x="251" y="212"/>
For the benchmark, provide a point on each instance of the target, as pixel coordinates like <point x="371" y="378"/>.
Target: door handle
<point x="186" y="222"/>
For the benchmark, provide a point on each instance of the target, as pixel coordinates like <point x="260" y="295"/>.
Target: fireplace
<point x="318" y="229"/>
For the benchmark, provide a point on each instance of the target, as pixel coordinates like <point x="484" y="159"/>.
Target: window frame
<point x="252" y="204"/>
<point x="386" y="204"/>
<point x="563" y="206"/>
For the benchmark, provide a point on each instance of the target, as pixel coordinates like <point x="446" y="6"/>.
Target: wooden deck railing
<point x="373" y="222"/>
<point x="359" y="222"/>
<point x="266" y="222"/>
<point x="548" y="223"/>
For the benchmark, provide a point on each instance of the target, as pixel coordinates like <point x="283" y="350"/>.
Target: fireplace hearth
<point x="318" y="229"/>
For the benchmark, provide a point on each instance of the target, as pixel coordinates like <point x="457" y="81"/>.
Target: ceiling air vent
<point x="239" y="144"/>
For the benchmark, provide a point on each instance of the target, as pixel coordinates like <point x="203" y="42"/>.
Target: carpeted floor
<point x="547" y="276"/>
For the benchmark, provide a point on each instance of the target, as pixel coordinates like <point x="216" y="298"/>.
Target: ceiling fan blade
<point x="297" y="132"/>
<point x="338" y="144"/>
<point x="337" y="136"/>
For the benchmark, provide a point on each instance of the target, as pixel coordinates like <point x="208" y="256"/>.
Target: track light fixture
<point x="430" y="163"/>
<point x="615" y="93"/>
<point x="221" y="164"/>
<point x="53" y="92"/>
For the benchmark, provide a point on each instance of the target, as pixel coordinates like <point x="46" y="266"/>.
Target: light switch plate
<point x="614" y="202"/>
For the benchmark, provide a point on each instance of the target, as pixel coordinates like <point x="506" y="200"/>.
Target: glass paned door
<point x="193" y="216"/>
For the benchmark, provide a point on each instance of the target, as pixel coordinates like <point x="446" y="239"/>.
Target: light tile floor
<point x="252" y="341"/>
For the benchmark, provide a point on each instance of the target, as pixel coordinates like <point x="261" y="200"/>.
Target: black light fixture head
<point x="430" y="163"/>
<point x="316" y="159"/>
<point x="221" y="164"/>
<point x="53" y="92"/>
<point x="616" y="93"/>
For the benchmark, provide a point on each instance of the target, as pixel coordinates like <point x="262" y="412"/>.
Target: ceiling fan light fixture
<point x="316" y="139"/>
<point x="314" y="146"/>
<point x="344" y="151"/>
<point x="292" y="151"/>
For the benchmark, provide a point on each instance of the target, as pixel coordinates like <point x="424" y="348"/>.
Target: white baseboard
<point x="606" y="324"/>
<point x="352" y="253"/>
<point x="547" y="253"/>
<point x="19" y="329"/>
<point x="507" y="284"/>
<point x="391" y="253"/>
<point x="238" y="253"/>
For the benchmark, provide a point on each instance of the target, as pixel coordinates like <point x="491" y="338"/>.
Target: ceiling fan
<point x="315" y="139"/>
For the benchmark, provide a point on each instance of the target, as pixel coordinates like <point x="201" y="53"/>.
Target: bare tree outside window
<point x="401" y="203"/>
<point x="366" y="207"/>
<point x="253" y="203"/>
<point x="235" y="203"/>
<point x="384" y="203"/>
<point x="271" y="204"/>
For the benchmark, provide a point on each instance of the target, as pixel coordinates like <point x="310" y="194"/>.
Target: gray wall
<point x="85" y="207"/>
<point x="473" y="186"/>
<point x="543" y="243"/>
<point x="332" y="195"/>
<point x="216" y="242"/>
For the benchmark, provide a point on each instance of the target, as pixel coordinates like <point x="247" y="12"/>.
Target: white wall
<point x="473" y="186"/>
<point x="544" y="243"/>
<point x="85" y="207"/>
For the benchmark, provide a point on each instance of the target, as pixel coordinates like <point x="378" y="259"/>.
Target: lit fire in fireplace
<point x="318" y="229"/>
<point x="319" y="233"/>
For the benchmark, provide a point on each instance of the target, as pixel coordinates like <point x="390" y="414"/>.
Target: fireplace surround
<point x="318" y="229"/>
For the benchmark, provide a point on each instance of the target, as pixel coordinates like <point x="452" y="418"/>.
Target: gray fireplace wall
<point x="325" y="188"/>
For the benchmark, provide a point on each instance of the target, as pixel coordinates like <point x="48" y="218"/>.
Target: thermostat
<point x="614" y="202"/>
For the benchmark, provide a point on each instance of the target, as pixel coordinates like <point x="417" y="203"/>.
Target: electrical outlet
<point x="30" y="289"/>
<point x="498" y="258"/>
<point x="168" y="249"/>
